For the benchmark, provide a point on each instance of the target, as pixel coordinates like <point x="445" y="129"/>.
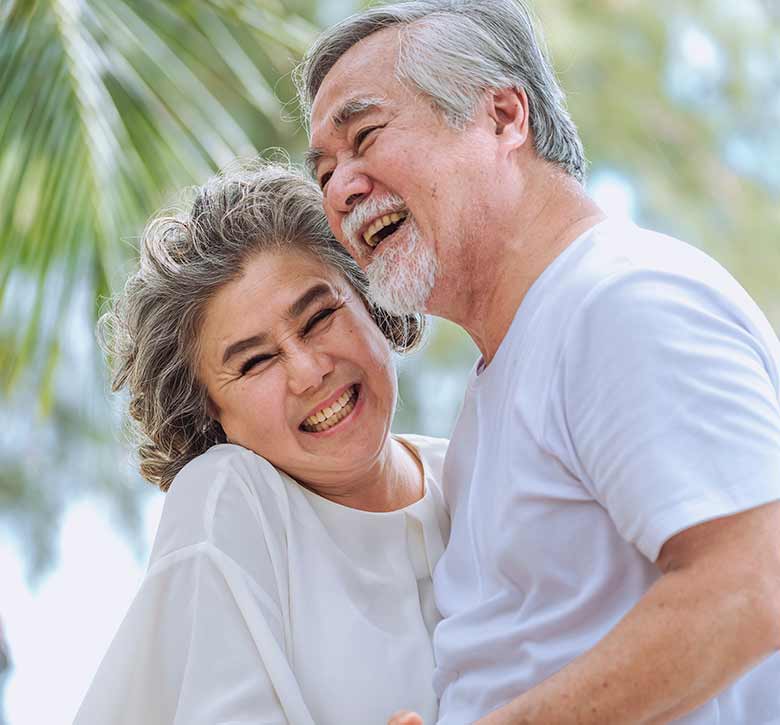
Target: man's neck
<point x="507" y="268"/>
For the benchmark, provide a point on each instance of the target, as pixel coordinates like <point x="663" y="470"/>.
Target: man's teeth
<point x="381" y="223"/>
<point x="332" y="414"/>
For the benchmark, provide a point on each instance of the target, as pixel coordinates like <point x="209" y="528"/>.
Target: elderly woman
<point x="290" y="579"/>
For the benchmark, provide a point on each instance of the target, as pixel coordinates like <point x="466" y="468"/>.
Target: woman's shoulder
<point x="226" y="491"/>
<point x="431" y="452"/>
<point x="225" y="459"/>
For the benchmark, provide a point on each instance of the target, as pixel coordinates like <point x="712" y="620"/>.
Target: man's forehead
<point x="363" y="72"/>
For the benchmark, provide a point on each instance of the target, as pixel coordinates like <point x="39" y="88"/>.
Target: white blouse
<point x="265" y="603"/>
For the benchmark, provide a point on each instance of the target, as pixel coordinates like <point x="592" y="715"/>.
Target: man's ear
<point x="508" y="110"/>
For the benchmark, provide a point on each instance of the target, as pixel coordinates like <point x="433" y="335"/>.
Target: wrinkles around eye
<point x="314" y="322"/>
<point x="253" y="362"/>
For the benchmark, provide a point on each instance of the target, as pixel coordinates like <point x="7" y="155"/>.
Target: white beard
<point x="401" y="277"/>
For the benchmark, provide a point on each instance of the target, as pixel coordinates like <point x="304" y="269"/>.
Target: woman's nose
<point x="307" y="369"/>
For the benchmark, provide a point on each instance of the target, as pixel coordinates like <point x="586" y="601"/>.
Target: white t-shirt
<point x="635" y="395"/>
<point x="266" y="604"/>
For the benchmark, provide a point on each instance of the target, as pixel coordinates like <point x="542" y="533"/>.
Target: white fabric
<point x="266" y="604"/>
<point x="635" y="395"/>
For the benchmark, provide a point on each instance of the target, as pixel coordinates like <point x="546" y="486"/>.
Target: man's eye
<point x="253" y="362"/>
<point x="324" y="179"/>
<point x="363" y="134"/>
<point x="317" y="318"/>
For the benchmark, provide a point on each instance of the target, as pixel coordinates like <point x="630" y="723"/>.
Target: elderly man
<point x="614" y="474"/>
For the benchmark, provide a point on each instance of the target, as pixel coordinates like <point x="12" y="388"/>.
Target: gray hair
<point x="453" y="51"/>
<point x="152" y="328"/>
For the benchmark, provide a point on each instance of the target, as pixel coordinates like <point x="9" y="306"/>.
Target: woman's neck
<point x="393" y="483"/>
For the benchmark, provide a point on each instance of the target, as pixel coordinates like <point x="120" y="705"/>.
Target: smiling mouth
<point x="383" y="227"/>
<point x="332" y="415"/>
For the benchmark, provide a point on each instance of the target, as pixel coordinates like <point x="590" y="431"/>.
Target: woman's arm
<point x="187" y="652"/>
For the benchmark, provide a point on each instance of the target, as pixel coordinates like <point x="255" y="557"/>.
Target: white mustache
<point x="368" y="211"/>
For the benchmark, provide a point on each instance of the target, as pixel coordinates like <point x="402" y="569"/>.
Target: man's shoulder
<point x="616" y="249"/>
<point x="615" y="293"/>
<point x="619" y="266"/>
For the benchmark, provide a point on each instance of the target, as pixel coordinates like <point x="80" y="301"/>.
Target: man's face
<point x="400" y="186"/>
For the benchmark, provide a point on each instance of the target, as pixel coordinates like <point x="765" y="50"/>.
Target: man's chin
<point x="399" y="288"/>
<point x="397" y="301"/>
<point x="402" y="274"/>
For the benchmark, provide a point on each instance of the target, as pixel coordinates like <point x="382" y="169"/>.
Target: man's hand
<point x="405" y="717"/>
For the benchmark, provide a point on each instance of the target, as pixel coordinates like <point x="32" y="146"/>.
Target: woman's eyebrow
<point x="296" y="309"/>
<point x="239" y="347"/>
<point x="320" y="289"/>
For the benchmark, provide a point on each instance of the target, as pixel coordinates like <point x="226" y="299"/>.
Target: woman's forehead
<point x="273" y="286"/>
<point x="283" y="267"/>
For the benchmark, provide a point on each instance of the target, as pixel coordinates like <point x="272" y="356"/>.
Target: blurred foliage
<point x="109" y="106"/>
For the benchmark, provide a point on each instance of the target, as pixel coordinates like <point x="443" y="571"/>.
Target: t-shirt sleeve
<point x="670" y="403"/>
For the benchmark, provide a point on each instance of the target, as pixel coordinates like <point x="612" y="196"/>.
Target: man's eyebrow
<point x="355" y="107"/>
<point x="297" y="308"/>
<point x="348" y="111"/>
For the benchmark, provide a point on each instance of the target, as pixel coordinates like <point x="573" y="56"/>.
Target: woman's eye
<point x="253" y="362"/>
<point x="317" y="318"/>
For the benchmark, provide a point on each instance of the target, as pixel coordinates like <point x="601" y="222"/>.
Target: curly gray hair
<point x="151" y="330"/>
<point x="454" y="50"/>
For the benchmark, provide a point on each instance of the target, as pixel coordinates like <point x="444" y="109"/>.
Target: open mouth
<point x="333" y="414"/>
<point x="383" y="227"/>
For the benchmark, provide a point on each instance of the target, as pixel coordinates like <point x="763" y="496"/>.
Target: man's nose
<point x="346" y="187"/>
<point x="307" y="368"/>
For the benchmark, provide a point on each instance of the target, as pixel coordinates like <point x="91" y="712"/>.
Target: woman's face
<point x="297" y="370"/>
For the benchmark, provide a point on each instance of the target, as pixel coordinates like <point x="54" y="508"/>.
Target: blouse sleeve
<point x="203" y="643"/>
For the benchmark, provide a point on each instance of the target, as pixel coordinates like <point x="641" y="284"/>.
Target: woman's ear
<point x="212" y="411"/>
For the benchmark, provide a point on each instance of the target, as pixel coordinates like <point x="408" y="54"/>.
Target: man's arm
<point x="713" y="615"/>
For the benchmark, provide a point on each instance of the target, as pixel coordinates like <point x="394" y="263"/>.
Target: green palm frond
<point x="106" y="108"/>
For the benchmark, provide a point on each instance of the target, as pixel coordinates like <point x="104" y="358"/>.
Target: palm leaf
<point x="107" y="107"/>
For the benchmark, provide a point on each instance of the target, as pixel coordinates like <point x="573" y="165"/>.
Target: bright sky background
<point x="59" y="632"/>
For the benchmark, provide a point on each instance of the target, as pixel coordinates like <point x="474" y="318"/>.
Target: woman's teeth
<point x="332" y="414"/>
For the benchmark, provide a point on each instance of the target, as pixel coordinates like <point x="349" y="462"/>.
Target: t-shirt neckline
<point x="529" y="305"/>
